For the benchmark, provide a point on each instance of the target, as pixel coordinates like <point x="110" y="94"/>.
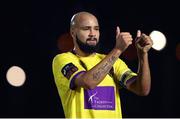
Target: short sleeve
<point x="66" y="67"/>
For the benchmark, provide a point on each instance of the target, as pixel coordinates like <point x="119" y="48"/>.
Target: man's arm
<point x="93" y="77"/>
<point x="142" y="84"/>
<point x="90" y="79"/>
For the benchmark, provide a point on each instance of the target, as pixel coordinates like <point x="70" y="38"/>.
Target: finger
<point x="117" y="31"/>
<point x="144" y="36"/>
<point x="149" y="42"/>
<point x="146" y="43"/>
<point x="125" y="33"/>
<point x="130" y="42"/>
<point x="138" y="33"/>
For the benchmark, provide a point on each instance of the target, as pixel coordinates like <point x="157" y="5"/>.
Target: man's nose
<point x="92" y="33"/>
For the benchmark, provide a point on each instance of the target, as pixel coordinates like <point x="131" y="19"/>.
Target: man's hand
<point x="123" y="40"/>
<point x="143" y="42"/>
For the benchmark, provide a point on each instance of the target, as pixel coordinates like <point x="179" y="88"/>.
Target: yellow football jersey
<point x="77" y="102"/>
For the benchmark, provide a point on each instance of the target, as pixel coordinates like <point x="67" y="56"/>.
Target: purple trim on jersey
<point x="100" y="98"/>
<point x="72" y="83"/>
<point x="131" y="80"/>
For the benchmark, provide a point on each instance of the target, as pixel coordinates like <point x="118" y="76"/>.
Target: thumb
<point x="117" y="31"/>
<point x="138" y="34"/>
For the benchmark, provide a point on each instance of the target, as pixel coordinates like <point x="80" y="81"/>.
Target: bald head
<point x="81" y="16"/>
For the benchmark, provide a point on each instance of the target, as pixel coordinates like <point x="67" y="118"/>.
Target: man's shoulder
<point x="67" y="56"/>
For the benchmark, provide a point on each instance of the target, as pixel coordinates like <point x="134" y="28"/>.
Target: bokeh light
<point x="65" y="43"/>
<point x="159" y="40"/>
<point x="16" y="76"/>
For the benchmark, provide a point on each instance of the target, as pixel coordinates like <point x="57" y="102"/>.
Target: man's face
<point x="87" y="34"/>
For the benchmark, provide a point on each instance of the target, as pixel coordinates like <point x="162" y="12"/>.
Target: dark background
<point x="29" y="31"/>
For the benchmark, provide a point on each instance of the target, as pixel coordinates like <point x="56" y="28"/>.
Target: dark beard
<point x="85" y="47"/>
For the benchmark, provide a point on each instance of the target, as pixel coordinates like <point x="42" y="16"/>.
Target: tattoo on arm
<point x="103" y="70"/>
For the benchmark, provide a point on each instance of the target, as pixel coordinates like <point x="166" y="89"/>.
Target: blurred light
<point x="65" y="43"/>
<point x="16" y="76"/>
<point x="130" y="53"/>
<point x="178" y="51"/>
<point x="159" y="40"/>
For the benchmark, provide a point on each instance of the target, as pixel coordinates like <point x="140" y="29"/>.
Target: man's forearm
<point x="142" y="84"/>
<point x="94" y="76"/>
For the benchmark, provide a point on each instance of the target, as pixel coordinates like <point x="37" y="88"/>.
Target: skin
<point x="85" y="25"/>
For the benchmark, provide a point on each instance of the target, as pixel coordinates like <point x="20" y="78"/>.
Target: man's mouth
<point x="92" y="41"/>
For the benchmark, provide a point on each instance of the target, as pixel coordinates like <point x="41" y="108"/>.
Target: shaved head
<point x="80" y="16"/>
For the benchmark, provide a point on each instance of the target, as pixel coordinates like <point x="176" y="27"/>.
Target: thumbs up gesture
<point x="123" y="39"/>
<point x="143" y="42"/>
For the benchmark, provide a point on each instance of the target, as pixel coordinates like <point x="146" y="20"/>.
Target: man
<point x="88" y="82"/>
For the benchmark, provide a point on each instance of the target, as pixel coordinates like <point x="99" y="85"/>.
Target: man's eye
<point x="96" y="28"/>
<point x="85" y="28"/>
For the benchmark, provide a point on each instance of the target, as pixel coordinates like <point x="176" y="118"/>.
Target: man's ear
<point x="72" y="32"/>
